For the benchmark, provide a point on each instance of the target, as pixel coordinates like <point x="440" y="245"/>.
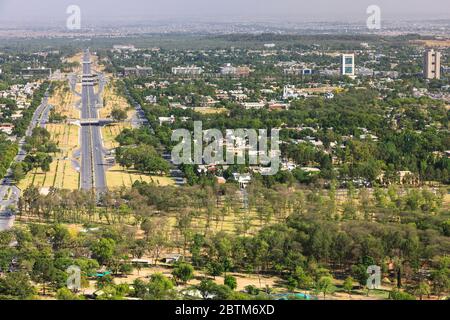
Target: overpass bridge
<point x="91" y="122"/>
<point x="89" y="79"/>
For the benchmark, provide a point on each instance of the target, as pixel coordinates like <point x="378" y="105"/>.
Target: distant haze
<point x="51" y="11"/>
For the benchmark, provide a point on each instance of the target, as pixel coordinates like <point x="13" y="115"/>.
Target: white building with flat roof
<point x="189" y="70"/>
<point x="253" y="105"/>
<point x="348" y="64"/>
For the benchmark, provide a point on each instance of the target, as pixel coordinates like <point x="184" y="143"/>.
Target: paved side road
<point x="9" y="193"/>
<point x="140" y="120"/>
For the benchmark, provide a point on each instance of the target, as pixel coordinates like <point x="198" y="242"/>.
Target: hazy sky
<point x="295" y="10"/>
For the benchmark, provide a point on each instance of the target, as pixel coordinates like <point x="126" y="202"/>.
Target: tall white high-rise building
<point x="432" y="64"/>
<point x="348" y="65"/>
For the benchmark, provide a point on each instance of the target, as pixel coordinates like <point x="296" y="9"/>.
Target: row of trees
<point x="8" y="151"/>
<point x="143" y="158"/>
<point x="140" y="149"/>
<point x="306" y="249"/>
<point x="43" y="254"/>
<point x="302" y="236"/>
<point x="38" y="147"/>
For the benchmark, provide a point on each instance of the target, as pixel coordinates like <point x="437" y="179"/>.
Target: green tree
<point x="440" y="275"/>
<point x="304" y="280"/>
<point x="422" y="289"/>
<point x="66" y="294"/>
<point x="230" y="282"/>
<point x="183" y="272"/>
<point x="105" y="281"/>
<point x="252" y="290"/>
<point x="118" y="114"/>
<point x="16" y="285"/>
<point x="325" y="286"/>
<point x="160" y="288"/>
<point x="140" y="288"/>
<point x="210" y="290"/>
<point x="195" y="249"/>
<point x="214" y="268"/>
<point x="348" y="285"/>
<point x="103" y="250"/>
<point x="18" y="171"/>
<point x="44" y="272"/>
<point x="396" y="294"/>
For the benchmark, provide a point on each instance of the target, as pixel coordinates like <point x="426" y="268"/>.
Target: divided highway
<point x="92" y="169"/>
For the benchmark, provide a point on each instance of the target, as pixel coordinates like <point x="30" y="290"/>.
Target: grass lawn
<point x="64" y="101"/>
<point x="209" y="110"/>
<point x="433" y="43"/>
<point x="110" y="132"/>
<point x="62" y="174"/>
<point x="113" y="100"/>
<point x="117" y="177"/>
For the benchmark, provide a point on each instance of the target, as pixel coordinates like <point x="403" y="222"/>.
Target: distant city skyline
<point x="27" y="12"/>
